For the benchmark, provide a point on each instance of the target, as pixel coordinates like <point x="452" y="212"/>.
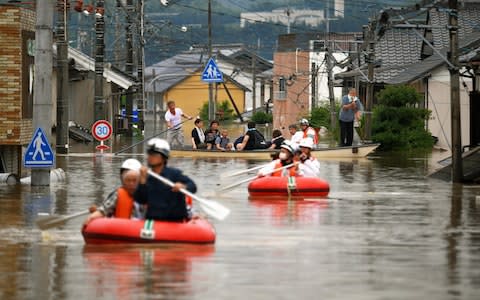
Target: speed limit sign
<point x="101" y="130"/>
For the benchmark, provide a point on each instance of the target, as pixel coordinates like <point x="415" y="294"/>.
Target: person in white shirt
<point x="309" y="166"/>
<point x="308" y="131"/>
<point x="296" y="136"/>
<point x="173" y="117"/>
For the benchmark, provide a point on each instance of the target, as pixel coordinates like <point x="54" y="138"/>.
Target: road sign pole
<point x="42" y="84"/>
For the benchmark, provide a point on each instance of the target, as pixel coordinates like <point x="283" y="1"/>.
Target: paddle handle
<point x="212" y="208"/>
<point x="171" y="184"/>
<point x="255" y="177"/>
<point x="244" y="171"/>
<point x="146" y="139"/>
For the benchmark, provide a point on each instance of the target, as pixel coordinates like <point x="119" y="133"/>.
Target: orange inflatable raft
<point x="293" y="186"/>
<point x="116" y="230"/>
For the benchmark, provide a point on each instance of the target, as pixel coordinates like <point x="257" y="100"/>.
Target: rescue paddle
<point x="210" y="207"/>
<point x="45" y="222"/>
<point x="146" y="139"/>
<point x="242" y="171"/>
<point x="253" y="178"/>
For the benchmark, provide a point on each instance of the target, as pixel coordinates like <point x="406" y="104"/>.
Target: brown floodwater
<point x="386" y="231"/>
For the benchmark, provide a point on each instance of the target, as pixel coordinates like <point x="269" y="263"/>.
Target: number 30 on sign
<point x="101" y="130"/>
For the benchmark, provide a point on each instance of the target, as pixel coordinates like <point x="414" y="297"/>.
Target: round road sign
<point x="101" y="130"/>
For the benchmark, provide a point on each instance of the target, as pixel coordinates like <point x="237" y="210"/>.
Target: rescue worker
<point x="163" y="202"/>
<point x="285" y="158"/>
<point x="310" y="166"/>
<point x="119" y="203"/>
<point x="308" y="131"/>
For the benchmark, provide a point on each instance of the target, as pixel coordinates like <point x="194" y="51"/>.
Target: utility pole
<point x="100" y="111"/>
<point x="211" y="100"/>
<point x="154" y="88"/>
<point x="129" y="68"/>
<point x="42" y="84"/>
<point x="141" y="66"/>
<point x="254" y="83"/>
<point x="62" y="78"/>
<point x="457" y="166"/>
<point x="370" y="83"/>
<point x="314" y="98"/>
<point x="331" y="95"/>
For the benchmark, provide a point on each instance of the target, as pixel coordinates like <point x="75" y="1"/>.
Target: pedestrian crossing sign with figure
<point x="212" y="73"/>
<point x="39" y="154"/>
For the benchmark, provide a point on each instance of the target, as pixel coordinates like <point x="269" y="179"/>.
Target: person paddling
<point x="310" y="166"/>
<point x="285" y="158"/>
<point x="163" y="202"/>
<point x="119" y="203"/>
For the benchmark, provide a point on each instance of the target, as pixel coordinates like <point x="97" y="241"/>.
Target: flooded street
<point x="385" y="232"/>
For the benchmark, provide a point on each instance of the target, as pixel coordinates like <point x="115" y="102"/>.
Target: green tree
<point x="397" y="121"/>
<point x="261" y="117"/>
<point x="224" y="111"/>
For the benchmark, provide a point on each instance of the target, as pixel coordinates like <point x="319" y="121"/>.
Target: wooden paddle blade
<point x="47" y="222"/>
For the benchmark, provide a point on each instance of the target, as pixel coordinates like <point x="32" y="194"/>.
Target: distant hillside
<point x="165" y="26"/>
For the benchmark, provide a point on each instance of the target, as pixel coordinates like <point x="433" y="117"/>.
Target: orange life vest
<point x="292" y="171"/>
<point x="315" y="136"/>
<point x="124" y="204"/>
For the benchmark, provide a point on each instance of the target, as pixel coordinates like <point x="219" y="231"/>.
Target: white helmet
<point x="159" y="146"/>
<point x="288" y="146"/>
<point x="306" y="143"/>
<point x="131" y="164"/>
<point x="304" y="122"/>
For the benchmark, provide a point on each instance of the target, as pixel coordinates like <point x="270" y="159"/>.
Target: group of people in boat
<point x="142" y="196"/>
<point x="293" y="160"/>
<point x="215" y="138"/>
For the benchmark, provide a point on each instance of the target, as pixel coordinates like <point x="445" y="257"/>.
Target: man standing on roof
<point x="310" y="166"/>
<point x="173" y="117"/>
<point x="163" y="202"/>
<point x="350" y="104"/>
<point x="308" y="131"/>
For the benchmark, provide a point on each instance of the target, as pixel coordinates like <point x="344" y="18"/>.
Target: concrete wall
<point x="294" y="65"/>
<point x="439" y="103"/>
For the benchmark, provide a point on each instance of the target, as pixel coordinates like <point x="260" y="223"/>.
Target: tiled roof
<point x="399" y="51"/>
<point x="173" y="70"/>
<point x="468" y="22"/>
<point x="399" y="46"/>
<point x="469" y="49"/>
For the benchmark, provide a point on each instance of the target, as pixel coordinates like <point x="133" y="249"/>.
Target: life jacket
<point x="315" y="134"/>
<point x="124" y="204"/>
<point x="292" y="171"/>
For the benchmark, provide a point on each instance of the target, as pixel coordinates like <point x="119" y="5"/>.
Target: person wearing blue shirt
<point x="163" y="202"/>
<point x="350" y="104"/>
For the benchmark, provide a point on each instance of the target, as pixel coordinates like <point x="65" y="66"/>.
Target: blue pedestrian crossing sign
<point x="39" y="154"/>
<point x="212" y="73"/>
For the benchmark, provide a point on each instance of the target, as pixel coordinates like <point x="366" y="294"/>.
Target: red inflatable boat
<point x="114" y="230"/>
<point x="293" y="186"/>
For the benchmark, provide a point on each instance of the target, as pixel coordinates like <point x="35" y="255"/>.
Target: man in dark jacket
<point x="163" y="202"/>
